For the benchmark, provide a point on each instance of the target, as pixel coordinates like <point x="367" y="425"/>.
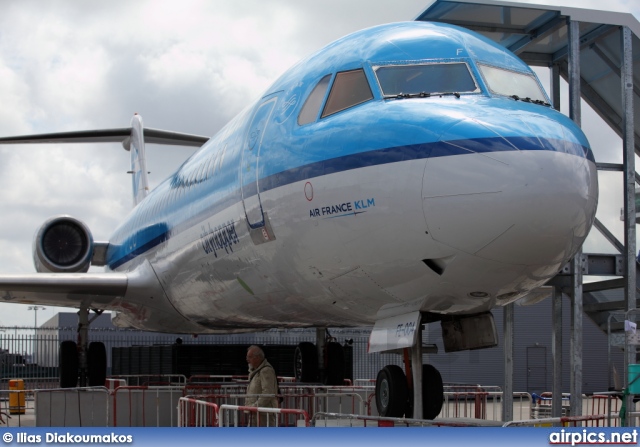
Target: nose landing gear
<point x="394" y="397"/>
<point x="392" y="392"/>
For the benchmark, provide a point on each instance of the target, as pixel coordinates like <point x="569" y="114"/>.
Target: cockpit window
<point x="512" y="83"/>
<point x="350" y="88"/>
<point x="425" y="79"/>
<point x="311" y="107"/>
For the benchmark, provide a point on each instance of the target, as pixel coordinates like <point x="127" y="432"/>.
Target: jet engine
<point x="63" y="245"/>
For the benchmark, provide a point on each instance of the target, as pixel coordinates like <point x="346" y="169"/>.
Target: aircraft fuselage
<point x="348" y="192"/>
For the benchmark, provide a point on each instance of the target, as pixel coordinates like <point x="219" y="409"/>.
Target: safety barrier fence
<point x="145" y="406"/>
<point x="72" y="407"/>
<point x="309" y="403"/>
<point x="197" y="413"/>
<point x="609" y="404"/>
<point x="565" y="421"/>
<point x="33" y="383"/>
<point x="239" y="416"/>
<point x="125" y="406"/>
<point x="13" y="405"/>
<point x="208" y="378"/>
<point x="606" y="403"/>
<point x="122" y="405"/>
<point x="482" y="403"/>
<point x="310" y="398"/>
<point x="324" y="419"/>
<point x="153" y="379"/>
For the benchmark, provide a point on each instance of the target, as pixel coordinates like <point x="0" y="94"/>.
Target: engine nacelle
<point x="63" y="245"/>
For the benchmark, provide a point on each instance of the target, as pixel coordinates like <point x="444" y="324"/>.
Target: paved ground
<point x="18" y="420"/>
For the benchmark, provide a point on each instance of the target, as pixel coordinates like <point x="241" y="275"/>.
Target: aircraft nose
<point x="522" y="190"/>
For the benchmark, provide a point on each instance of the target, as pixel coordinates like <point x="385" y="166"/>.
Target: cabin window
<point x="426" y="79"/>
<point x="510" y="83"/>
<point x="349" y="89"/>
<point x="311" y="107"/>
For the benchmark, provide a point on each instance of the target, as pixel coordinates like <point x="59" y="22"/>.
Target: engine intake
<point x="63" y="245"/>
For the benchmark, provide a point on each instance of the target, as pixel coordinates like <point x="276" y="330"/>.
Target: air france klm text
<point x="346" y="208"/>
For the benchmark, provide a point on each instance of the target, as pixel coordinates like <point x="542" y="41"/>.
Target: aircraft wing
<point x="64" y="289"/>
<point x="155" y="136"/>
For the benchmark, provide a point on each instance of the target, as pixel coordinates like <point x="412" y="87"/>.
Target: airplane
<point x="403" y="175"/>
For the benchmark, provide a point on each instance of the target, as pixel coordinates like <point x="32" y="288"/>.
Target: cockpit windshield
<point x="513" y="84"/>
<point x="425" y="79"/>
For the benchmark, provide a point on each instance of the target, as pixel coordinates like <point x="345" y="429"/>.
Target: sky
<point x="186" y="66"/>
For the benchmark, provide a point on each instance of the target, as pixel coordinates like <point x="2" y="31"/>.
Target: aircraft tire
<point x="391" y="391"/>
<point x="432" y="392"/>
<point x="97" y="360"/>
<point x="68" y="364"/>
<point x="305" y="362"/>
<point x="335" y="364"/>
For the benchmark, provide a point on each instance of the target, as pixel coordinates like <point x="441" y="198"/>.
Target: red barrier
<point x="197" y="413"/>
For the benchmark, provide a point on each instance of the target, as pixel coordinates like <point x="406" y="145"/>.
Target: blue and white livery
<point x="404" y="174"/>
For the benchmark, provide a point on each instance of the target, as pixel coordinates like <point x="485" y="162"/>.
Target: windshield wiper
<point x="420" y="95"/>
<point x="533" y="101"/>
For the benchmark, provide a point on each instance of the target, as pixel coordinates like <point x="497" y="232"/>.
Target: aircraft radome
<point x="405" y="174"/>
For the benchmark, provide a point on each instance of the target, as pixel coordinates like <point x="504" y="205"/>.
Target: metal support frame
<point x="321" y="341"/>
<point x="555" y="86"/>
<point x="556" y="296"/>
<point x="628" y="136"/>
<point x="556" y="352"/>
<point x="83" y="345"/>
<point x="416" y="372"/>
<point x="576" y="263"/>
<point x="507" y="395"/>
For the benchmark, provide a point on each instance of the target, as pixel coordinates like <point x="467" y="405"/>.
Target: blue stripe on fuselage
<point x="154" y="235"/>
<point x="417" y="152"/>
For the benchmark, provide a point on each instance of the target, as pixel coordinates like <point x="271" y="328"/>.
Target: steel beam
<point x="507" y="387"/>
<point x="553" y="23"/>
<point x="628" y="146"/>
<point x="556" y="352"/>
<point x="416" y="371"/>
<point x="609" y="236"/>
<point x="576" y="292"/>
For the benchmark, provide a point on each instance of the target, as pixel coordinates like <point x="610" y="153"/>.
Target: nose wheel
<point x="395" y="399"/>
<point x="392" y="392"/>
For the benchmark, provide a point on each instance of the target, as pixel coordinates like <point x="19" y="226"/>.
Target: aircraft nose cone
<point x="520" y="191"/>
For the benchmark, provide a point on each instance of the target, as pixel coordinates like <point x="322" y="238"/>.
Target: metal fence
<point x="32" y="353"/>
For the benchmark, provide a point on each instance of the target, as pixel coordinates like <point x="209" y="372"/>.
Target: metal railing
<point x="235" y="416"/>
<point x="197" y="413"/>
<point x="159" y="405"/>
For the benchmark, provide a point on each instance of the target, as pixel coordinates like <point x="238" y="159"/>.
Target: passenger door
<point x="250" y="167"/>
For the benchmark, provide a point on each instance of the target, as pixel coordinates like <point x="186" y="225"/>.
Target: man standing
<point x="263" y="386"/>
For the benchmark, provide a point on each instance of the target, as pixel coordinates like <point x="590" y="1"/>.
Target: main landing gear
<point x="83" y="363"/>
<point x="324" y="363"/>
